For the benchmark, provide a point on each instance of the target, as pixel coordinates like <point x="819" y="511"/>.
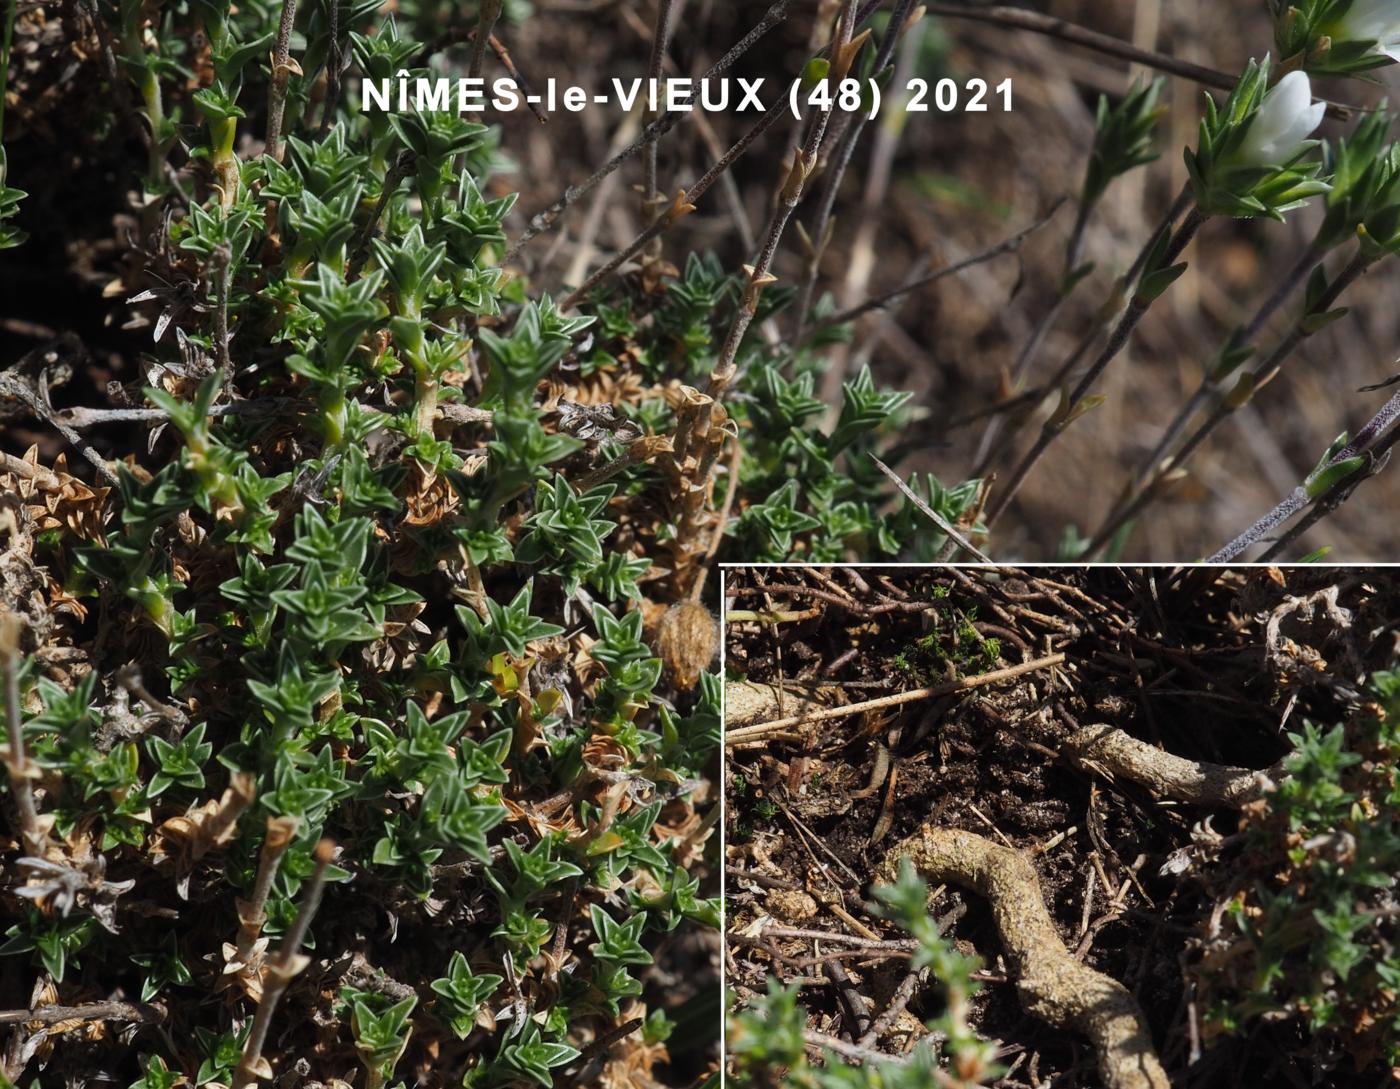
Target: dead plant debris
<point x="1163" y="793"/>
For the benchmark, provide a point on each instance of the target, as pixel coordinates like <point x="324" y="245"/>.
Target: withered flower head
<point x="687" y="640"/>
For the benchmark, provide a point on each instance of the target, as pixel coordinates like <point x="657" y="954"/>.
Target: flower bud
<point x="1253" y="158"/>
<point x="1286" y="118"/>
<point x="687" y="641"/>
<point x="1374" y="21"/>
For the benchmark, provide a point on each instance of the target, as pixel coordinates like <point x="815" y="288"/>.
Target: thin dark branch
<point x="1007" y="245"/>
<point x="1077" y="398"/>
<point x="281" y="74"/>
<point x="932" y="515"/>
<point x="1366" y="439"/>
<point x="1066" y="31"/>
<point x="1290" y="282"/>
<point x="129" y="678"/>
<point x="138" y="1012"/>
<point x="490" y="12"/>
<point x="26" y="393"/>
<point x="670" y="215"/>
<point x="544" y="220"/>
<point x="335" y="69"/>
<point x="1262" y="373"/>
<point x="845" y="149"/>
<point x="601" y="1045"/>
<point x="1074" y="254"/>
<point x="1095" y="329"/>
<point x="360" y="252"/>
<point x="661" y="37"/>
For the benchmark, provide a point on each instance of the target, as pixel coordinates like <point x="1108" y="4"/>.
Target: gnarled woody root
<point x="1051" y="984"/>
<point x="1110" y="749"/>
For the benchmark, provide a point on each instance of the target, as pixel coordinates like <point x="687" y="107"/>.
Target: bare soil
<point x="1180" y="658"/>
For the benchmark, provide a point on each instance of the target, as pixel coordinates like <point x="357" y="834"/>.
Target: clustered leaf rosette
<point x="1338" y="37"/>
<point x="1379" y="232"/>
<point x="1254" y="156"/>
<point x="1362" y="172"/>
<point x="10" y="236"/>
<point x="1309" y="922"/>
<point x="1123" y="136"/>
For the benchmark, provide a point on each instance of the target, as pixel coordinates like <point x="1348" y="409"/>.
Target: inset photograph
<point x="1120" y="827"/>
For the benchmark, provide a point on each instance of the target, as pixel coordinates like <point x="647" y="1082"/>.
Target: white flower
<point x="1286" y="118"/>
<point x="1372" y="21"/>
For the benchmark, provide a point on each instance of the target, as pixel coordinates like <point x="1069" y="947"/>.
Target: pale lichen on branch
<point x="1051" y="984"/>
<point x="1109" y="749"/>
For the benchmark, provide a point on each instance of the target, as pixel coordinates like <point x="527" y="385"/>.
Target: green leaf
<point x="1329" y="478"/>
<point x="1154" y="284"/>
<point x="1312" y="323"/>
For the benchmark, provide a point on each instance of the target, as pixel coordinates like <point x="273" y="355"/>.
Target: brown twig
<point x="11" y="463"/>
<point x="966" y="684"/>
<point x="1068" y="283"/>
<point x="847" y="139"/>
<point x="486" y="22"/>
<point x="588" y="1060"/>
<point x="1105" y="315"/>
<point x="282" y="68"/>
<point x="26" y="393"/>
<point x="508" y="63"/>
<point x="612" y="1036"/>
<point x="1077" y="400"/>
<point x="129" y="678"/>
<point x="660" y="39"/>
<point x="545" y="219"/>
<point x="221" y="353"/>
<point x="848" y="1050"/>
<point x="252" y="913"/>
<point x="696" y="449"/>
<point x="1108" y="749"/>
<point x="1311" y="257"/>
<point x="731" y="492"/>
<point x="1244" y="391"/>
<point x="359" y="253"/>
<point x="899" y="1001"/>
<point x="285" y="966"/>
<point x="1066" y="31"/>
<point x="877" y="302"/>
<point x="683" y="205"/>
<point x="138" y="1012"/>
<point x="898" y="945"/>
<point x="854" y="1006"/>
<point x="335" y="69"/>
<point x="640" y="450"/>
